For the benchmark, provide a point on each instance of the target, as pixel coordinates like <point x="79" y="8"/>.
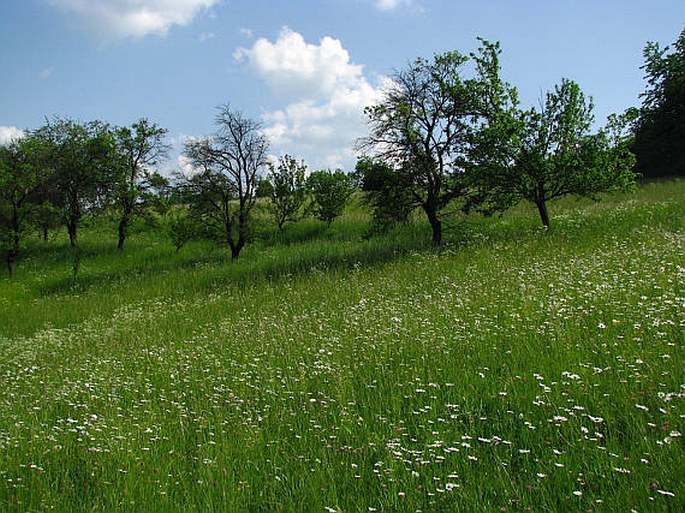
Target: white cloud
<point x="46" y="73"/>
<point x="326" y="91"/>
<point x="390" y="5"/>
<point x="119" y="19"/>
<point x="298" y="68"/>
<point x="9" y="134"/>
<point x="206" y="36"/>
<point x="185" y="167"/>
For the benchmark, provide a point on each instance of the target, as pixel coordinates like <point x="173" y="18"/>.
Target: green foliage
<point x="181" y="228"/>
<point x="424" y="125"/>
<point x="386" y="191"/>
<point x="138" y="149"/>
<point x="288" y="190"/>
<point x="542" y="155"/>
<point x="80" y="157"/>
<point x="22" y="177"/>
<point x="660" y="128"/>
<point x="331" y="191"/>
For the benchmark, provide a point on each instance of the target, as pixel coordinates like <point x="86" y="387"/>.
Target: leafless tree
<point x="229" y="164"/>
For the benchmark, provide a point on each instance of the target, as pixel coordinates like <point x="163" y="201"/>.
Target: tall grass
<point x="515" y="369"/>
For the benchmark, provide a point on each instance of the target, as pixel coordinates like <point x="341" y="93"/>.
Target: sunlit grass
<point x="516" y="369"/>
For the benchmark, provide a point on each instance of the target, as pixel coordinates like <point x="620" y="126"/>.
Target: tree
<point x="139" y="148"/>
<point x="228" y="168"/>
<point x="20" y="177"/>
<point x="288" y="189"/>
<point x="181" y="227"/>
<point x="331" y="191"/>
<point x="424" y="126"/>
<point x="540" y="155"/>
<point x="660" y="130"/>
<point x="386" y="191"/>
<point x="80" y="156"/>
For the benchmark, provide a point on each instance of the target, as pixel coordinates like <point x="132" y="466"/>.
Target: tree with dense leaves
<point x="228" y="166"/>
<point x="80" y="157"/>
<point x="660" y="129"/>
<point x="21" y="176"/>
<point x="386" y="192"/>
<point x="424" y="125"/>
<point x="331" y="191"/>
<point x="139" y="148"/>
<point x="540" y="155"/>
<point x="288" y="190"/>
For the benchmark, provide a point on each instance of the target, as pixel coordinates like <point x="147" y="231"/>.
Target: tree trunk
<point x="45" y="233"/>
<point x="431" y="210"/>
<point x="13" y="252"/>
<point x="12" y="257"/>
<point x="542" y="209"/>
<point x="235" y="251"/>
<point x="123" y="228"/>
<point x="72" y="227"/>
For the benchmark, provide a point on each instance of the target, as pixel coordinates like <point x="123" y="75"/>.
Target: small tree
<point x="228" y="165"/>
<point x="181" y="228"/>
<point x="542" y="155"/>
<point x="288" y="189"/>
<point x="139" y="148"/>
<point x="21" y="176"/>
<point x="387" y="192"/>
<point x="331" y="191"/>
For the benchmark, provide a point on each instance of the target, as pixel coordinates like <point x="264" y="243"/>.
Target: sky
<point x="304" y="68"/>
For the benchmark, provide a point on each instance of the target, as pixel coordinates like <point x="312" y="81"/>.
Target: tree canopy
<point x="424" y="126"/>
<point x="660" y="129"/>
<point x="542" y="154"/>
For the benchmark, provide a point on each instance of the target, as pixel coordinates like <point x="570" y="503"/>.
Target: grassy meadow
<point x="514" y="369"/>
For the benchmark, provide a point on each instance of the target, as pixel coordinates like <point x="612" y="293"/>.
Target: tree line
<point x="447" y="131"/>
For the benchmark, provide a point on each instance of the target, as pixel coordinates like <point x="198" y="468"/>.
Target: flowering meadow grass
<point x="515" y="369"/>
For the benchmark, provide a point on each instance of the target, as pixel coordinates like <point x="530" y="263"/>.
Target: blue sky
<point x="304" y="68"/>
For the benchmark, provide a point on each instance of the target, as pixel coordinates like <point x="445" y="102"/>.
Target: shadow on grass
<point x="202" y="267"/>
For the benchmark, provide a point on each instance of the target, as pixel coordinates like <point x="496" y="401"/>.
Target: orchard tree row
<point x="448" y="130"/>
<point x="66" y="170"/>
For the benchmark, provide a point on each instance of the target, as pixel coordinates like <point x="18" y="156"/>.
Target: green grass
<point x="514" y="369"/>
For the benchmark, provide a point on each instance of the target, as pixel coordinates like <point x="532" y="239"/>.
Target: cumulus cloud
<point x="9" y="134"/>
<point x="119" y="19"/>
<point x="325" y="94"/>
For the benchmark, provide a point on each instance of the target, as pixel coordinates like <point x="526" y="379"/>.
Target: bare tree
<point x="229" y="164"/>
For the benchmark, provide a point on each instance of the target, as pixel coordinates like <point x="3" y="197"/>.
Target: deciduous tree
<point x="388" y="193"/>
<point x="288" y="189"/>
<point x="21" y="176"/>
<point x="228" y="166"/>
<point x="660" y="130"/>
<point x="331" y="191"/>
<point x="540" y="155"/>
<point x="423" y="128"/>
<point x="80" y="156"/>
<point x="139" y="148"/>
